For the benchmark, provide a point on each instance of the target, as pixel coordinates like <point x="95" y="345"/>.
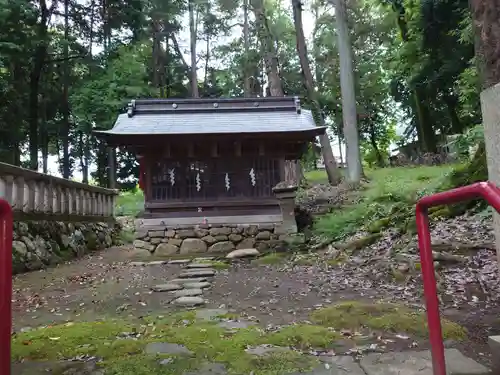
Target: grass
<point x="389" y="190"/>
<point x="129" y="203"/>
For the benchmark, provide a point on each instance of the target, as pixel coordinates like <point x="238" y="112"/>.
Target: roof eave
<point x="311" y="131"/>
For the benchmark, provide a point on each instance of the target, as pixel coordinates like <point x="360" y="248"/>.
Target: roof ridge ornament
<point x="131" y="108"/>
<point x="298" y="108"/>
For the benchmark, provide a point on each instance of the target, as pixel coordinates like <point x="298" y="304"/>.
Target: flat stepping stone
<point x="266" y="349"/>
<point x="199" y="265"/>
<point x="201" y="285"/>
<point x="189" y="301"/>
<point x="210" y="314"/>
<point x="202" y="259"/>
<point x="185" y="281"/>
<point x="419" y="363"/>
<point x="344" y="365"/>
<point x="187" y="292"/>
<point x="166" y="348"/>
<point x="179" y="261"/>
<point x="166" y="287"/>
<point x="241" y="324"/>
<point x="197" y="273"/>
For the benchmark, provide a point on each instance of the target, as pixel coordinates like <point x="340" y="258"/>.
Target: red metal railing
<point x="486" y="190"/>
<point x="5" y="285"/>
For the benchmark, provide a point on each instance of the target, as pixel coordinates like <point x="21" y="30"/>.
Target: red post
<point x="491" y="194"/>
<point x="6" y="220"/>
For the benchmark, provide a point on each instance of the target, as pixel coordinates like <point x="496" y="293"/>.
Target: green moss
<point x="304" y="336"/>
<point x="379" y="225"/>
<point x="219" y="265"/>
<point x="70" y="340"/>
<point x="270" y="258"/>
<point x="382" y="317"/>
<point x="363" y="242"/>
<point x="207" y="341"/>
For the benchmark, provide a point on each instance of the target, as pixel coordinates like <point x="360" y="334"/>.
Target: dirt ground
<point x="105" y="285"/>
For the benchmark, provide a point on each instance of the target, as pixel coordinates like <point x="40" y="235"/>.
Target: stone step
<point x="197" y="273"/>
<point x="199" y="265"/>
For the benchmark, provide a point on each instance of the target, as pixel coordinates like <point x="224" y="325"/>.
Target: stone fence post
<point x="490" y="107"/>
<point x="286" y="196"/>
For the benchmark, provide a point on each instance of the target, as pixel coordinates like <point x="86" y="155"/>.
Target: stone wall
<point x="38" y="244"/>
<point x="165" y="241"/>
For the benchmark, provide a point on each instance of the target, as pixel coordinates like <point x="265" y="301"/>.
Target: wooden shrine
<point x="213" y="160"/>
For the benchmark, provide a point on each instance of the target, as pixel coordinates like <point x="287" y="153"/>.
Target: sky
<point x="308" y="25"/>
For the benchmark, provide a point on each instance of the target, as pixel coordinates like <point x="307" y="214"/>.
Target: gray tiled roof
<point x="214" y="123"/>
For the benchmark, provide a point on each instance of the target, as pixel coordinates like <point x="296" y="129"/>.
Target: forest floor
<point x="276" y="314"/>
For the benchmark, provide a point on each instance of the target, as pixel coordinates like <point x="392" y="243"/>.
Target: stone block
<point x="165" y="249"/>
<point x="222" y="247"/>
<point x="201" y="232"/>
<point x="419" y="363"/>
<point x="210" y="240"/>
<point x="193" y="245"/>
<point x="223" y="231"/>
<point x="143" y="245"/>
<point x="185" y="233"/>
<point x="265" y="235"/>
<point x="221" y="237"/>
<point x="494" y="343"/>
<point x="246" y="243"/>
<point x="235" y="237"/>
<point x="156" y="233"/>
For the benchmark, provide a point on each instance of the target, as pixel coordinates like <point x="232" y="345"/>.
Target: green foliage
<point x="129" y="203"/>
<point x="387" y="200"/>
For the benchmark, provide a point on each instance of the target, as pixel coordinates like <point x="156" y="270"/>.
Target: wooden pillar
<point x="111" y="167"/>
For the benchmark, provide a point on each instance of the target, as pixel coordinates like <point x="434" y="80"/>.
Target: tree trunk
<point x="486" y="16"/>
<point x="246" y="43"/>
<point x="65" y="121"/>
<point x="193" y="36"/>
<point x="353" y="157"/>
<point x="273" y="78"/>
<point x="331" y="167"/>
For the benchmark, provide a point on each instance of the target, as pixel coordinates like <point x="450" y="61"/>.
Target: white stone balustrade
<point x="40" y="196"/>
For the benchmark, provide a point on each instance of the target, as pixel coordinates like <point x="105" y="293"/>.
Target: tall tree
<point x="331" y="167"/>
<point x="193" y="31"/>
<point x="347" y="85"/>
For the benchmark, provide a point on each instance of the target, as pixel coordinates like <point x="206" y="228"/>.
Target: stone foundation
<point x="165" y="241"/>
<point x="37" y="244"/>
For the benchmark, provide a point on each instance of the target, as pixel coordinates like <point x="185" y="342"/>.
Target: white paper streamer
<point x="198" y="182"/>
<point x="252" y="177"/>
<point x="171" y="173"/>
<point x="228" y="182"/>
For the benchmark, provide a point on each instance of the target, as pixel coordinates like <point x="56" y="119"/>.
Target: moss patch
<point x="304" y="336"/>
<point x="382" y="317"/>
<point x="270" y="258"/>
<point x="121" y="345"/>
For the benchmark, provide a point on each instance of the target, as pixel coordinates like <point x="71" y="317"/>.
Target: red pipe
<point x="6" y="220"/>
<point x="485" y="190"/>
